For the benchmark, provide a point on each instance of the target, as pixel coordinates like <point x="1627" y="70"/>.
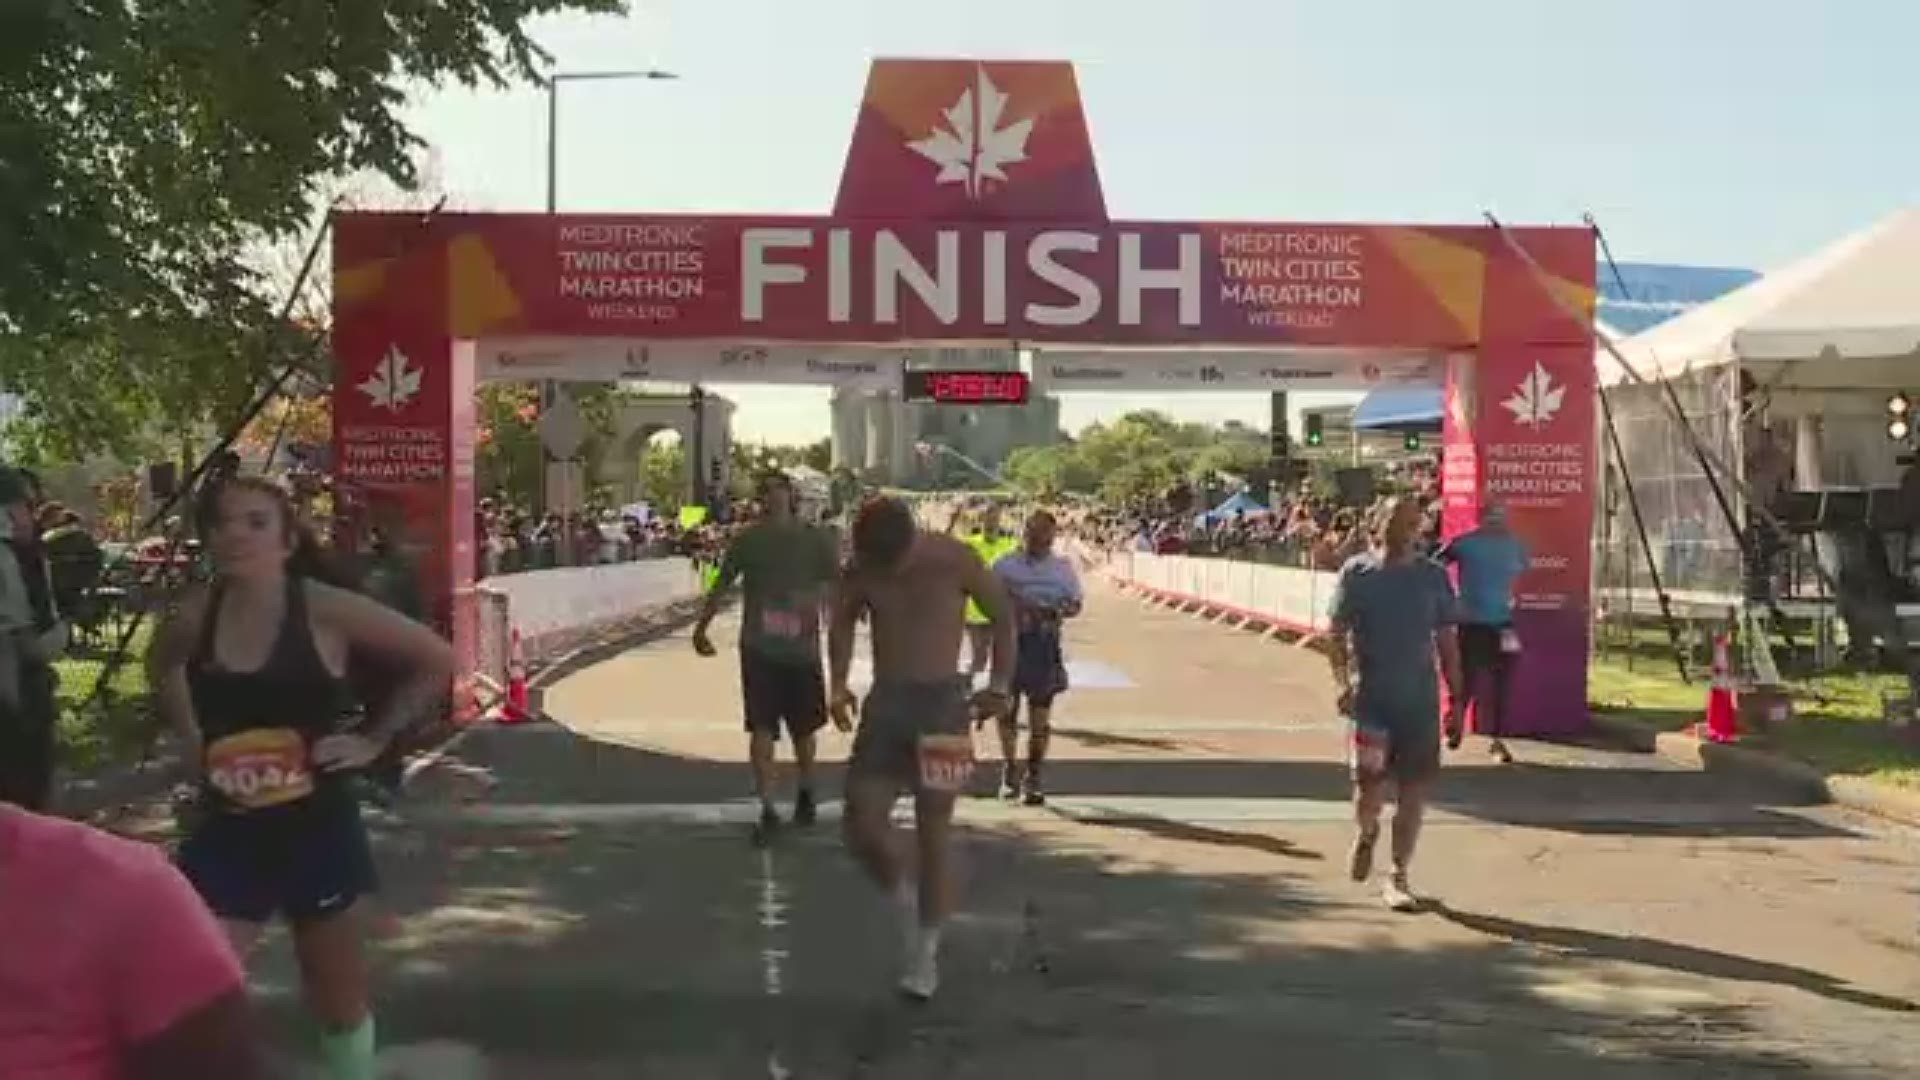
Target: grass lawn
<point x="1837" y="725"/>
<point x="113" y="727"/>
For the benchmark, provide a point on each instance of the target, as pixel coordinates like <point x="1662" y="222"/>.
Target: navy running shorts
<point x="307" y="861"/>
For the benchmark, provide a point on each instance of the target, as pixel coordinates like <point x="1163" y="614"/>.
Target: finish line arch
<point x="928" y="247"/>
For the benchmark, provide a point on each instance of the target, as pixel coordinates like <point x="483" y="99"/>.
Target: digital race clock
<point x="966" y="387"/>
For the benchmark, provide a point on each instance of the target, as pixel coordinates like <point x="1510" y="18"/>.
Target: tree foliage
<point x="1137" y="457"/>
<point x="663" y="477"/>
<point x="510" y="457"/>
<point x="146" y="147"/>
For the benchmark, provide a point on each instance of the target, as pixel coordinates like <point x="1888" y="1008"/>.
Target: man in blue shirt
<point x="1393" y="614"/>
<point x="1490" y="560"/>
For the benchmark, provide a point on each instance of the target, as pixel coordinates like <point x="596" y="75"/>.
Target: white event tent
<point x="1821" y="344"/>
<point x="1845" y="318"/>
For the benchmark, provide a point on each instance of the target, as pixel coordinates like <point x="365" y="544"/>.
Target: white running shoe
<point x="1398" y="896"/>
<point x="921" y="979"/>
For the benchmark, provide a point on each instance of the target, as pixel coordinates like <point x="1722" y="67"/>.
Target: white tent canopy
<point x="1844" y="318"/>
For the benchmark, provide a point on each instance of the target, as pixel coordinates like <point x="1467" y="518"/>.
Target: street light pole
<point x="548" y="388"/>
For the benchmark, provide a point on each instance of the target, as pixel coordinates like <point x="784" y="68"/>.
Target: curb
<point x="1850" y="792"/>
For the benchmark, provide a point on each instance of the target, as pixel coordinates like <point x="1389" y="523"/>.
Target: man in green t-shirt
<point x="785" y="566"/>
<point x="991" y="543"/>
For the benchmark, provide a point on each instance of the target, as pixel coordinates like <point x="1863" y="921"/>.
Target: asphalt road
<point x="1179" y="910"/>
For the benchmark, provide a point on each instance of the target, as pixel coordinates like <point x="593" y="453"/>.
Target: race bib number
<point x="1509" y="642"/>
<point x="946" y="762"/>
<point x="1367" y="750"/>
<point x="258" y="769"/>
<point x="776" y="623"/>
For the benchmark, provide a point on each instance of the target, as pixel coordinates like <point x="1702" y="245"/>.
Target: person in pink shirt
<point x="111" y="968"/>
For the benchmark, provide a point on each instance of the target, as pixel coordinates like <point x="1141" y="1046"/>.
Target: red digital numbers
<point x="976" y="387"/>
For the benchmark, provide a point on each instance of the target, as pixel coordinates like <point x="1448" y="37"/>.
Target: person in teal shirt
<point x="1489" y="560"/>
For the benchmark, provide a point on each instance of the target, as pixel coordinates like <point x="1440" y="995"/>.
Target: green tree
<point x="1139" y="481"/>
<point x="146" y="148"/>
<point x="663" y="477"/>
<point x="1048" y="470"/>
<point x="1240" y="456"/>
<point x="511" y="460"/>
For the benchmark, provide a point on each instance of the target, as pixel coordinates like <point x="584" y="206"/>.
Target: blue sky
<point x="1704" y="131"/>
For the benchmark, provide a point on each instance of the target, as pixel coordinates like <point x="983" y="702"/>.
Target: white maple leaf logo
<point x="1537" y="399"/>
<point x="973" y="148"/>
<point x="393" y="383"/>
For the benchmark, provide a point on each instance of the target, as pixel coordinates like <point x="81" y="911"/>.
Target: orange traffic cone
<point x="517" y="708"/>
<point x="1723" y="719"/>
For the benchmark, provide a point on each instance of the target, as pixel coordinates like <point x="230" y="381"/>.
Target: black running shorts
<point x="777" y="691"/>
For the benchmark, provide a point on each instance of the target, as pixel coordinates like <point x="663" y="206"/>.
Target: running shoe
<point x="1360" y="859"/>
<point x="767" y="827"/>
<point x="1009" y="783"/>
<point x="921" y="979"/>
<point x="1032" y="794"/>
<point x="1398" y="896"/>
<point x="805" y="812"/>
<point x="1500" y="752"/>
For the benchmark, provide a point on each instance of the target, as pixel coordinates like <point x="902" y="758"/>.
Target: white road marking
<point x="773" y="909"/>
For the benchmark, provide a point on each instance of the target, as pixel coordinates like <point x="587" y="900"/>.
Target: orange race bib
<point x="260" y="768"/>
<point x="946" y="762"/>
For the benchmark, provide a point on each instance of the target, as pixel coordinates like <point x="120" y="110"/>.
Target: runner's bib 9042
<point x="260" y="768"/>
<point x="946" y="762"/>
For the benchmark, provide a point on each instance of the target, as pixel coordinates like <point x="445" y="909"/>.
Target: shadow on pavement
<point x="1108" y="740"/>
<point x="547" y="763"/>
<point x="680" y="951"/>
<point x="1192" y="833"/>
<point x="1665" y="954"/>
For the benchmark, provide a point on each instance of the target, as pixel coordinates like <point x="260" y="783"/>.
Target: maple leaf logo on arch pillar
<point x="973" y="148"/>
<point x="1537" y="399"/>
<point x="393" y="383"/>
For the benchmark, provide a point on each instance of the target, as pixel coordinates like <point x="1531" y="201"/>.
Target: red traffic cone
<point x="517" y="708"/>
<point x="1723" y="719"/>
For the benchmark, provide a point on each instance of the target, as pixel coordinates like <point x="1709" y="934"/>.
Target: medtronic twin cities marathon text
<point x="393" y="454"/>
<point x="634" y="272"/>
<point x="1536" y="474"/>
<point x="1292" y="278"/>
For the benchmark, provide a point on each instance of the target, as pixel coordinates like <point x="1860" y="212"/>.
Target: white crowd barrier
<point x="556" y="611"/>
<point x="1281" y="597"/>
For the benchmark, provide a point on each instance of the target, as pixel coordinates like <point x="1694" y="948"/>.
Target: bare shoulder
<point x="184" y="618"/>
<point x="947" y="551"/>
<point x="330" y="603"/>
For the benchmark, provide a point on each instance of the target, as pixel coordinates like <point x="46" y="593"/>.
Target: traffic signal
<point x="1412" y="441"/>
<point x="1280" y="446"/>
<point x="1316" y="429"/>
<point x="1899" y="417"/>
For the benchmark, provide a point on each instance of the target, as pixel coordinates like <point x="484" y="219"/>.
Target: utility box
<point x="1764" y="707"/>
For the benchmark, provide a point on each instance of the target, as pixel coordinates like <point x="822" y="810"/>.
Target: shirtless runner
<point x="914" y="733"/>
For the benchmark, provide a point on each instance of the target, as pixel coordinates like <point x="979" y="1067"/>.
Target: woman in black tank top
<point x="250" y="672"/>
